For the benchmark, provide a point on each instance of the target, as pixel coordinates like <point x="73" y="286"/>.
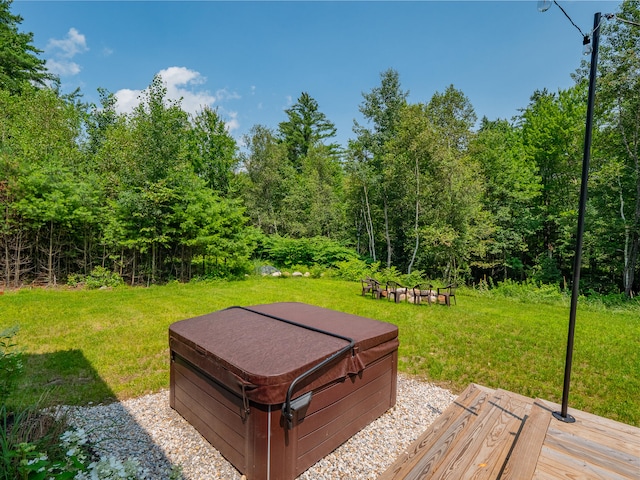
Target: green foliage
<point x="285" y="252"/>
<point x="98" y="278"/>
<point x="529" y="292"/>
<point x="27" y="455"/>
<point x="212" y="150"/>
<point x="546" y="271"/>
<point x="157" y="194"/>
<point x="307" y="127"/>
<point x="101" y="277"/>
<point x="19" y="62"/>
<point x="355" y="269"/>
<point x="11" y="362"/>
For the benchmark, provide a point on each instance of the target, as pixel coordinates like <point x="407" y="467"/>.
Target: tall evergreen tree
<point x="305" y="128"/>
<point x="19" y="62"/>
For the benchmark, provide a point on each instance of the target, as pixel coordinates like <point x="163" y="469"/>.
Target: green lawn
<point x="91" y="346"/>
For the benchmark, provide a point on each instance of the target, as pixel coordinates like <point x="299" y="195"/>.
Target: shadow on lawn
<point x="68" y="379"/>
<point x="65" y="377"/>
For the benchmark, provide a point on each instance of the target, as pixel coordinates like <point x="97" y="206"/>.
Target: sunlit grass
<point x="93" y="346"/>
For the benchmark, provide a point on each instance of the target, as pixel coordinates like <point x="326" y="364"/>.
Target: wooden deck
<point x="495" y="434"/>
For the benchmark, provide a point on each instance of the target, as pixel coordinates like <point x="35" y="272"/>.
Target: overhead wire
<point x="624" y="20"/>
<point x="570" y="19"/>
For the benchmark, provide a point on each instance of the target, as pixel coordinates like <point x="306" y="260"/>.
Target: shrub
<point x="286" y="252"/>
<point x="355" y="269"/>
<point x="528" y="291"/>
<point x="101" y="277"/>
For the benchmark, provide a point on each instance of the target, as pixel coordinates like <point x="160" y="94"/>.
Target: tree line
<point x="159" y="194"/>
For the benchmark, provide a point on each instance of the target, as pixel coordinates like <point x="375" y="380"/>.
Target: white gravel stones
<point x="147" y="429"/>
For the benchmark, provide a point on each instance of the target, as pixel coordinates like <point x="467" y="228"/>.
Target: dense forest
<point x="159" y="194"/>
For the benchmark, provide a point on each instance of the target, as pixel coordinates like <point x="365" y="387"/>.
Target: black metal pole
<point x="575" y="292"/>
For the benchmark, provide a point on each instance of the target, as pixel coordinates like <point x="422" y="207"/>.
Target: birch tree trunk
<point x="415" y="250"/>
<point x="369" y="225"/>
<point x="387" y="235"/>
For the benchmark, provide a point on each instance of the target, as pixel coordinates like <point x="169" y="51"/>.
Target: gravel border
<point x="148" y="429"/>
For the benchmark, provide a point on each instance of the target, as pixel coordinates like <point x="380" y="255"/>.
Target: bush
<point x="527" y="291"/>
<point x="286" y="252"/>
<point x="355" y="270"/>
<point x="101" y="277"/>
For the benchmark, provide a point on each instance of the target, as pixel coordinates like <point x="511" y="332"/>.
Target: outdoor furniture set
<point x="418" y="294"/>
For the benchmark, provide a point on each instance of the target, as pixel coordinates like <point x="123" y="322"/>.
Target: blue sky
<point x="252" y="59"/>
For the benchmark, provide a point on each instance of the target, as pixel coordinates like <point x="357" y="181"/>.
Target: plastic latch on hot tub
<point x="297" y="409"/>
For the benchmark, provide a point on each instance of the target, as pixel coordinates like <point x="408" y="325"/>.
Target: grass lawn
<point x="96" y="345"/>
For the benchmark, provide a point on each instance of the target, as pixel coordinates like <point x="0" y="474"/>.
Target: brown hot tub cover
<point x="253" y="352"/>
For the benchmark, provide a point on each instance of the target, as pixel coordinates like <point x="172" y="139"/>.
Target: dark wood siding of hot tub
<point x="341" y="409"/>
<point x="212" y="409"/>
<point x="337" y="411"/>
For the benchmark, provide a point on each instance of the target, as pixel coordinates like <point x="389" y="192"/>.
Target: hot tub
<point x="276" y="387"/>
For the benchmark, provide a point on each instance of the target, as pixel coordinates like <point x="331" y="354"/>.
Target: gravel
<point x="147" y="429"/>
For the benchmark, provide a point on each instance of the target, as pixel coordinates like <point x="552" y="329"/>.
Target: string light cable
<point x="586" y="38"/>
<point x="571" y="20"/>
<point x="610" y="16"/>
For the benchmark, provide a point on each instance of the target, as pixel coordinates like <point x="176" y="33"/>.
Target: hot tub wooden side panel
<point x="212" y="410"/>
<point x="258" y="445"/>
<point x="343" y="409"/>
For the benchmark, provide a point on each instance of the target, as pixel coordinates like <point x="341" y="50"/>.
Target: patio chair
<point x="395" y="290"/>
<point x="448" y="293"/>
<point x="423" y="291"/>
<point x="372" y="286"/>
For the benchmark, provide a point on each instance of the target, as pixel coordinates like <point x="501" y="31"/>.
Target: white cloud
<point x="232" y="123"/>
<point x="62" y="67"/>
<point x="63" y="50"/>
<point x="68" y="47"/>
<point x="182" y="84"/>
<point x="127" y="100"/>
<point x="224" y="94"/>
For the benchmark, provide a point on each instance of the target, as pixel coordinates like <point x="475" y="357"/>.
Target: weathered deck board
<point x="524" y="457"/>
<point x="603" y="448"/>
<point x="443" y="431"/>
<point x="495" y="434"/>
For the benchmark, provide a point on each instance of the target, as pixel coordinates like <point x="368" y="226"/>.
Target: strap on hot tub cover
<point x="286" y="407"/>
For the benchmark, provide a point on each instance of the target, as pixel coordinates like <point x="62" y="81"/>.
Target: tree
<point x="41" y="173"/>
<point x="617" y="156"/>
<point x="458" y="230"/>
<point x="553" y="132"/>
<point x="19" y="63"/>
<point x="381" y="108"/>
<point x="511" y="189"/>
<point x="453" y="115"/>
<point x="312" y="206"/>
<point x="267" y="171"/>
<point x="306" y="127"/>
<point x="213" y="151"/>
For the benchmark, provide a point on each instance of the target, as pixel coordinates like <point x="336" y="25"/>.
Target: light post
<point x="563" y="415"/>
<point x="543" y="6"/>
